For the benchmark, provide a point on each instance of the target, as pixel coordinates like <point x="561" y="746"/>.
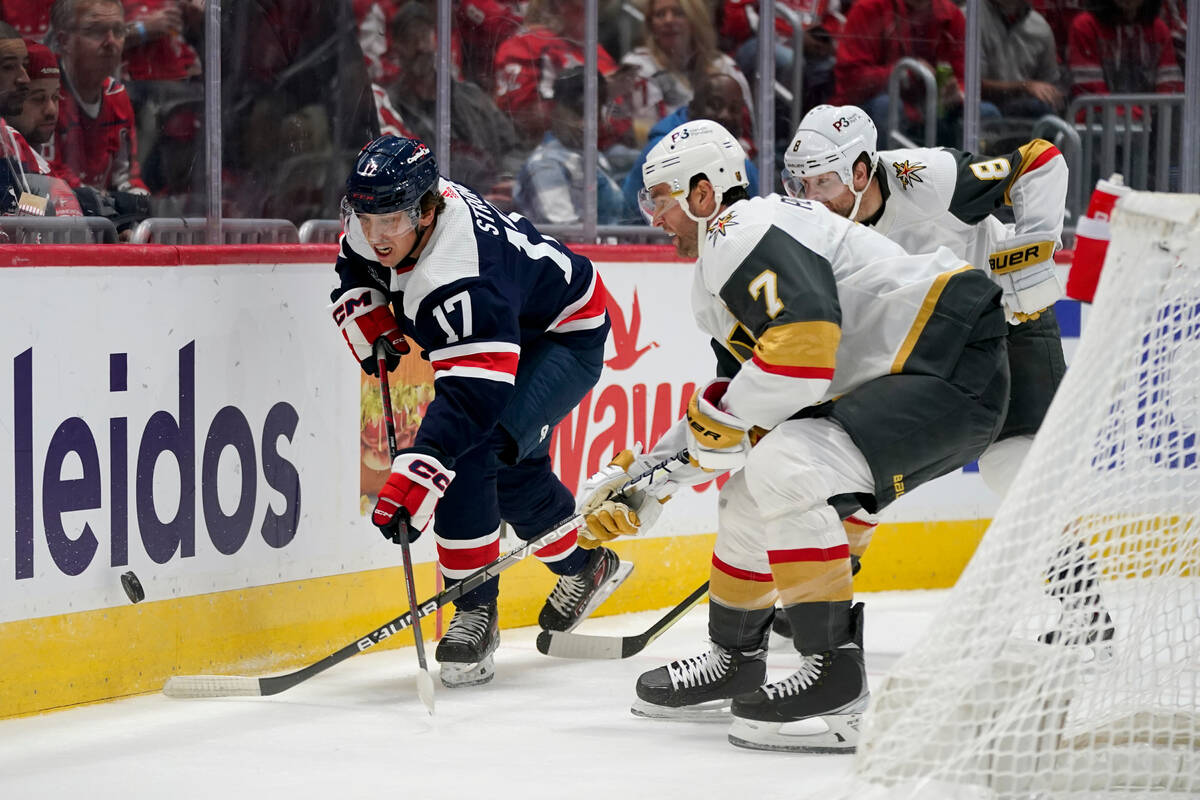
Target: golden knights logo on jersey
<point x="906" y="172"/>
<point x="719" y="226"/>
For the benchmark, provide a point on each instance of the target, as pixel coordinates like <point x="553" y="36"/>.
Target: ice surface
<point x="544" y="728"/>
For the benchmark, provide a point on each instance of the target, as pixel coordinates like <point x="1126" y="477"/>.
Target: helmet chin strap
<point x="858" y="196"/>
<point x="405" y="262"/>
<point x="701" y="224"/>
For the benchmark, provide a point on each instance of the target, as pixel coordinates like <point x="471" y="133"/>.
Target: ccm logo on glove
<point x="418" y="481"/>
<point x="364" y="317"/>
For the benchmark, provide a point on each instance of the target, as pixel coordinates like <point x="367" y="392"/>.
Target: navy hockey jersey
<point x="485" y="286"/>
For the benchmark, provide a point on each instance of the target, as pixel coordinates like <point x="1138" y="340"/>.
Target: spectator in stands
<point x="14" y="87"/>
<point x="483" y="25"/>
<point x="877" y="34"/>
<point x="1018" y="64"/>
<point x="27" y="72"/>
<point x="162" y="73"/>
<point x="719" y="98"/>
<point x="484" y="149"/>
<point x="528" y="62"/>
<point x="1059" y="15"/>
<point x="550" y="187"/>
<point x="284" y="57"/>
<point x="95" y="144"/>
<point x="30" y="18"/>
<point x="1122" y="46"/>
<point x="38" y="116"/>
<point x="680" y="48"/>
<point x="821" y="22"/>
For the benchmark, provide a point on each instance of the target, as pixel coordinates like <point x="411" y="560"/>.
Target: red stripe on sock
<point x="470" y="558"/>
<point x="808" y="554"/>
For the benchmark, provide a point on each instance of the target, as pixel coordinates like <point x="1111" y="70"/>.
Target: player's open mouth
<point x="381" y="251"/>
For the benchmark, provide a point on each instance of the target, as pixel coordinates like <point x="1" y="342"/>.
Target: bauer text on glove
<point x="418" y="481"/>
<point x="717" y="440"/>
<point x="364" y="317"/>
<point x="1026" y="274"/>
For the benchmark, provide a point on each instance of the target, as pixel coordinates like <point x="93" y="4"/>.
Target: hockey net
<point x="1066" y="661"/>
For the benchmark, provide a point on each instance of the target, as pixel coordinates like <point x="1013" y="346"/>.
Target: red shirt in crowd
<point x="878" y="33"/>
<point x="1133" y="58"/>
<point x="31" y="18"/>
<point x="526" y="66"/>
<point x="168" y="58"/>
<point x="736" y="25"/>
<point x="98" y="151"/>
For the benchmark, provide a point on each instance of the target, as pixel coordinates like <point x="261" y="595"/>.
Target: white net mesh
<point x="1066" y="663"/>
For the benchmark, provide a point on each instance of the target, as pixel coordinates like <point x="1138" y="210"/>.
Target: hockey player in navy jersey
<point x="514" y="325"/>
<point x="845" y="366"/>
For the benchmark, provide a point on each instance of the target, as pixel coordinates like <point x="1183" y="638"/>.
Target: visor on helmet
<point x="653" y="206"/>
<point x="821" y="188"/>
<point x="377" y="227"/>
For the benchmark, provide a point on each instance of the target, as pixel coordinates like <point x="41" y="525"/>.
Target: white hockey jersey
<point x="941" y="197"/>
<point x="804" y="306"/>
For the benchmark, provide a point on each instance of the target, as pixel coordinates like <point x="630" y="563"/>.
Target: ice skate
<point x="1085" y="623"/>
<point x="825" y="699"/>
<point x="577" y="596"/>
<point x="465" y="652"/>
<point x="700" y="688"/>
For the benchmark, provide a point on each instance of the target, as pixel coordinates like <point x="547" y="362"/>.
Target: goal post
<point x="1066" y="660"/>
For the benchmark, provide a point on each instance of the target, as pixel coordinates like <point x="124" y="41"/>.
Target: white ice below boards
<point x="544" y="728"/>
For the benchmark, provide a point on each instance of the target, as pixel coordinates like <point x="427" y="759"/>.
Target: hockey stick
<point x="244" y="686"/>
<point x="402" y="533"/>
<point x="581" y="645"/>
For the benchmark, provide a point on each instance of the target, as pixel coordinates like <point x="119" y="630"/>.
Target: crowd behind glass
<point x="105" y="112"/>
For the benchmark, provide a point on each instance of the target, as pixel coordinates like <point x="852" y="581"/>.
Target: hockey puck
<point x="133" y="587"/>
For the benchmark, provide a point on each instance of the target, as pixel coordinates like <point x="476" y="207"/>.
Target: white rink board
<point x="256" y="344"/>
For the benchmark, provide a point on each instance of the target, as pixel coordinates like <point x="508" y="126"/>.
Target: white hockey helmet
<point x="829" y="139"/>
<point x="699" y="146"/>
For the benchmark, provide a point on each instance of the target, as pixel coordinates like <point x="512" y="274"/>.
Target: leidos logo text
<point x="168" y="435"/>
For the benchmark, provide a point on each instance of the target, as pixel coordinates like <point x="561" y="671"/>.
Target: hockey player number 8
<point x="994" y="170"/>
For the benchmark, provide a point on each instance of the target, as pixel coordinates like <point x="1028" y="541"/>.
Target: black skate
<point x="831" y="686"/>
<point x="465" y="652"/>
<point x="576" y="596"/>
<point x="1086" y="625"/>
<point x="1084" y="621"/>
<point x="701" y="687"/>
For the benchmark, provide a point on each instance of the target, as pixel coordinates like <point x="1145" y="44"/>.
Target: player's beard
<point x="687" y="245"/>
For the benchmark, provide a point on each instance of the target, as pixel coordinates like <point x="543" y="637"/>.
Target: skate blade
<point x="604" y="592"/>
<point x="457" y="675"/>
<point x="836" y="733"/>
<point x="712" y="711"/>
<point x="827" y="733"/>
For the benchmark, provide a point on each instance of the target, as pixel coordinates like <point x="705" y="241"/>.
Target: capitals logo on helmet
<point x="391" y="174"/>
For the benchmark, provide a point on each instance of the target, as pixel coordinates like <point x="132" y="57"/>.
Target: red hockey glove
<point x="417" y="483"/>
<point x="364" y="317"/>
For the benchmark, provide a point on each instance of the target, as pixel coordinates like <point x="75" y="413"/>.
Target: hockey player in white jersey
<point x="846" y="366"/>
<point x="927" y="198"/>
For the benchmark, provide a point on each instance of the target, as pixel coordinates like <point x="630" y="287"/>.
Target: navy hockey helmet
<point x="391" y="174"/>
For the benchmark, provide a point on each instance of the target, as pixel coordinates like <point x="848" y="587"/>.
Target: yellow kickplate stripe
<point x="57" y="662"/>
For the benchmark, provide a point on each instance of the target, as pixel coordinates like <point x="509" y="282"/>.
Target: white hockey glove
<point x="609" y="514"/>
<point x="717" y="440"/>
<point x="364" y="316"/>
<point x="1025" y="272"/>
